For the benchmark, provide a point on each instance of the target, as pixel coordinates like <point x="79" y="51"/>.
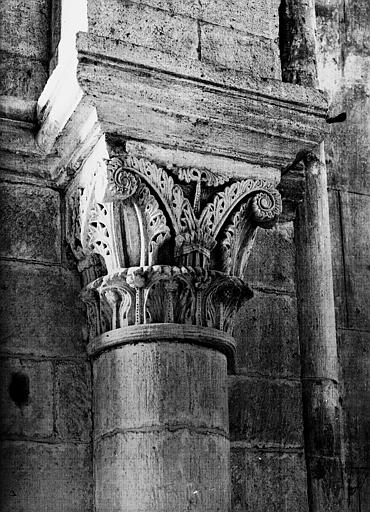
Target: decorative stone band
<point x="163" y="294"/>
<point x="149" y="333"/>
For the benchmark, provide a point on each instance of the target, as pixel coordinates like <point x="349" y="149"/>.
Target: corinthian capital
<point x="174" y="245"/>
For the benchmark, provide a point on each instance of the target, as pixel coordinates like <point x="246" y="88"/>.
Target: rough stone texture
<point x="30" y="223"/>
<point x="161" y="428"/>
<point x="266" y="331"/>
<point x="144" y="26"/>
<point x="73" y="401"/>
<point x="356" y="247"/>
<point x="33" y="417"/>
<point x="337" y="258"/>
<point x="41" y="312"/>
<point x="36" y="477"/>
<point x="237" y="50"/>
<point x="159" y="384"/>
<point x="25" y="47"/>
<point x="265" y="413"/>
<point x="162" y="471"/>
<point x="272" y="261"/>
<point x="268" y="481"/>
<point x="258" y="17"/>
<point x="355" y="360"/>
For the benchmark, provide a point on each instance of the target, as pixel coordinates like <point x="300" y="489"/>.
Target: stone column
<point x="161" y="322"/>
<point x="319" y="358"/>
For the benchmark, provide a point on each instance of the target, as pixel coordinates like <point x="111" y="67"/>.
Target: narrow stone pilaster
<point x="319" y="358"/>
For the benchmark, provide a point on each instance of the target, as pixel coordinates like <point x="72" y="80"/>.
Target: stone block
<point x="31" y="224"/>
<point x="356" y="247"/>
<point x="22" y="77"/>
<point x="144" y="26"/>
<point x="237" y="50"/>
<point x="354" y="352"/>
<point x="266" y="331"/>
<point x="37" y="476"/>
<point x="256" y="17"/>
<point x="268" y="481"/>
<point x="272" y="260"/>
<point x="73" y="401"/>
<point x="25" y="28"/>
<point x="26" y="398"/>
<point x="359" y="489"/>
<point x="40" y="311"/>
<point x="265" y="413"/>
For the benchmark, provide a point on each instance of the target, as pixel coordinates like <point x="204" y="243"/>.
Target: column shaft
<point x="321" y="395"/>
<point x="161" y="428"/>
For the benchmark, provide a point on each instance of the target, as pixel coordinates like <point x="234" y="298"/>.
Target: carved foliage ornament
<point x="161" y="293"/>
<point x="165" y="209"/>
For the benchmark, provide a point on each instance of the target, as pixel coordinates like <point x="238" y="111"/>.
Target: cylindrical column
<point x="297" y="24"/>
<point x="160" y="422"/>
<point x="321" y="396"/>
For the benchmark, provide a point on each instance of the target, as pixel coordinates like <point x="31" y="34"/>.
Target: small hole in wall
<point x="19" y="389"/>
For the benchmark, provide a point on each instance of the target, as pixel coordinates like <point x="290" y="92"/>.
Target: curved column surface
<point x="161" y="428"/>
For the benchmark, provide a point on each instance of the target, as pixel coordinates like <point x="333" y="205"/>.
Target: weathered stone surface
<point x="359" y="489"/>
<point x="31" y="223"/>
<point x="22" y="77"/>
<point x="26" y="398"/>
<point x="162" y="471"/>
<point x="354" y="349"/>
<point x="327" y="484"/>
<point x="266" y="332"/>
<point x="272" y="260"/>
<point x="143" y="385"/>
<point x="268" y="481"/>
<point x="258" y="17"/>
<point x="73" y="401"/>
<point x="25" y="28"/>
<point x="340" y="299"/>
<point x="41" y="312"/>
<point x="265" y="413"/>
<point x="186" y="104"/>
<point x="37" y="476"/>
<point x="237" y="50"/>
<point x="356" y="244"/>
<point x="144" y="26"/>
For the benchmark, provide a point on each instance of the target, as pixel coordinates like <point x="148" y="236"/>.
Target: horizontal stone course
<point x="257" y="17"/>
<point x="22" y="77"/>
<point x="31" y="223"/>
<point x="33" y="416"/>
<point x="40" y="311"/>
<point x="145" y="26"/>
<point x="265" y="413"/>
<point x="43" y="477"/>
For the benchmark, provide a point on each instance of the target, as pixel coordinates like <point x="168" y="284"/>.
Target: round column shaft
<point x="161" y="428"/>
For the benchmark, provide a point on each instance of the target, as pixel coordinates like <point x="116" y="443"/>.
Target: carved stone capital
<point x="174" y="246"/>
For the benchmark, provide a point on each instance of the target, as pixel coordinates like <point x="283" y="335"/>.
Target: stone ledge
<point x="149" y="95"/>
